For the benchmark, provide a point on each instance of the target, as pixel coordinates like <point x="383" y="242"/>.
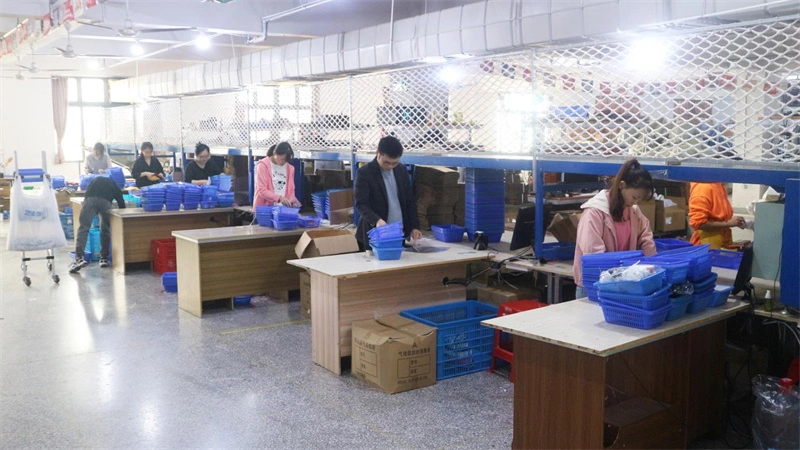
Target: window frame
<point x="80" y="104"/>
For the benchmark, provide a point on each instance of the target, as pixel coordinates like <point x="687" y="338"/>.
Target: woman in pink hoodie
<point x="611" y="221"/>
<point x="275" y="178"/>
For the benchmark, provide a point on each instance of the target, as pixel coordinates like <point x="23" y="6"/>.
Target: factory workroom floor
<point x="105" y="360"/>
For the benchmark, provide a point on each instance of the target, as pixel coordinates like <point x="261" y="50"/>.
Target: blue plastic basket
<point x="725" y="258"/>
<point x="448" y="233"/>
<point x="169" y="280"/>
<point x="387" y="253"/>
<point x="558" y="251"/>
<point x="706" y="283"/>
<point x="645" y="286"/>
<point x="700" y="301"/>
<point x="678" y="307"/>
<point x="388" y="231"/>
<point x="650" y="302"/>
<point x="619" y="314"/>
<point x="386" y="243"/>
<point x="670" y="244"/>
<point x="609" y="259"/>
<point x="242" y="300"/>
<point x="308" y="221"/>
<point x="463" y="345"/>
<point x="720" y="296"/>
<point x="284" y="225"/>
<point x="674" y="271"/>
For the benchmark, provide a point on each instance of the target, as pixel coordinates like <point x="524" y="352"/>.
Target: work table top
<point x="230" y="234"/>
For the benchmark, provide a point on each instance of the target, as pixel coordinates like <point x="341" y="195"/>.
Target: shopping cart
<point x="35" y="222"/>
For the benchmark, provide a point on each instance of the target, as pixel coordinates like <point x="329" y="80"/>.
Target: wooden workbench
<point x="575" y="373"/>
<point x="132" y="229"/>
<point x="356" y="286"/>
<point x="220" y="263"/>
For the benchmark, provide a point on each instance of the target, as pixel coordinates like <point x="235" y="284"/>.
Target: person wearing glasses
<point x="384" y="193"/>
<point x="202" y="168"/>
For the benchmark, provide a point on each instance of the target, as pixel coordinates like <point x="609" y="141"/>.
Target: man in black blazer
<point x="381" y="177"/>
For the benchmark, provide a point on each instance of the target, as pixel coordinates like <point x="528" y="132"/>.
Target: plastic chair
<point x="504" y="348"/>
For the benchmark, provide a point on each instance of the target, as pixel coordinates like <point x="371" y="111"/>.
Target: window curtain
<point x="60" y="113"/>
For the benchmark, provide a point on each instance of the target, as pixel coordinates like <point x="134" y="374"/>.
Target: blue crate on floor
<point x="463" y="345"/>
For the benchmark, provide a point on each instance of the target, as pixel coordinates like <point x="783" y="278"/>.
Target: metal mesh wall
<point x="727" y="94"/>
<point x="282" y="113"/>
<point x="120" y="125"/>
<point x="218" y="120"/>
<point x="160" y="122"/>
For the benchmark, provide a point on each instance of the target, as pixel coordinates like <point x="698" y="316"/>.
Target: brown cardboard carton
<point x="341" y="202"/>
<point x="305" y="294"/>
<point x="564" y="226"/>
<point x="394" y="354"/>
<point x="648" y="209"/>
<point x="671" y="218"/>
<point x="494" y="296"/>
<point x="63" y="199"/>
<point x="325" y="242"/>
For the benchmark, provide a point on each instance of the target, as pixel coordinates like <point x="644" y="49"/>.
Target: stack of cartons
<point x="438" y="194"/>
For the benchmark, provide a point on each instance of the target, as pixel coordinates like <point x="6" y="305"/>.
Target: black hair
<point x="200" y="148"/>
<point x="99" y="146"/>
<point x="283" y="148"/>
<point x="271" y="150"/>
<point x="635" y="176"/>
<point x="147" y="144"/>
<point x="390" y="146"/>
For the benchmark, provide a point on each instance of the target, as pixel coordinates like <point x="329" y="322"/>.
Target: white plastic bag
<point x="35" y="224"/>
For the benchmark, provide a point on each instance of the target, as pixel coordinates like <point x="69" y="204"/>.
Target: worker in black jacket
<point x="99" y="195"/>
<point x="384" y="193"/>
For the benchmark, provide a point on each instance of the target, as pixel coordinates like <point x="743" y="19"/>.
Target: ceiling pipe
<point x="391" y="35"/>
<point x="266" y="19"/>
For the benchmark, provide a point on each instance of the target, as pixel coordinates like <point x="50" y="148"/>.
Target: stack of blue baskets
<point x="57" y="181"/>
<point x="209" y="197"/>
<point x="225" y="199"/>
<point x="115" y="173"/>
<point x="174" y="197"/>
<point x="284" y="218"/>
<point x="169" y="280"/>
<point x="320" y="200"/>
<point x="264" y="215"/>
<point x="221" y="181"/>
<point x="642" y="304"/>
<point x="67" y="225"/>
<point x="594" y="264"/>
<point x="698" y="272"/>
<point x="154" y="197"/>
<point x="191" y="196"/>
<point x="387" y="241"/>
<point x="485" y="203"/>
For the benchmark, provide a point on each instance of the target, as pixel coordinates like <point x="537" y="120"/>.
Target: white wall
<point x="26" y="125"/>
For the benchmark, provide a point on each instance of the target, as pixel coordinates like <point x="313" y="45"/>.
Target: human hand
<point x="380" y="223"/>
<point x="737" y="221"/>
<point x="296" y="203"/>
<point x="285" y="201"/>
<point x="416" y="234"/>
<point x="146" y="174"/>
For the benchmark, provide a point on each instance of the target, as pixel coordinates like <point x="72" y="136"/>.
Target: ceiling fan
<point x="20" y="76"/>
<point x="33" y="68"/>
<point x="69" y="52"/>
<point x="128" y="30"/>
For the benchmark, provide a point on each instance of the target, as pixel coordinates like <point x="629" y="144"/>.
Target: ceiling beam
<point x="24" y="8"/>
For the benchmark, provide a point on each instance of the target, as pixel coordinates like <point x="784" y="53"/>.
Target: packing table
<point x="352" y="287"/>
<point x="217" y="263"/>
<point x="575" y="373"/>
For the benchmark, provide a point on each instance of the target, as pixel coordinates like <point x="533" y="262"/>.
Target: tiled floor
<point x="104" y="360"/>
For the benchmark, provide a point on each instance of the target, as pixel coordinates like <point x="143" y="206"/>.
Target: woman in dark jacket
<point x="147" y="170"/>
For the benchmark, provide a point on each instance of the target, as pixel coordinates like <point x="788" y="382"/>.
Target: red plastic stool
<point x="505" y="350"/>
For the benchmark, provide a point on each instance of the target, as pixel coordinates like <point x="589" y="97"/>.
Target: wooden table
<point x="220" y="263"/>
<point x="575" y="373"/>
<point x="132" y="229"/>
<point x="353" y="287"/>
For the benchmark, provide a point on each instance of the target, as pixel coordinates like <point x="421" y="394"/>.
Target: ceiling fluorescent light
<point x="93" y="64"/>
<point x="648" y="54"/>
<point x="434" y="59"/>
<point x="451" y="75"/>
<point x="202" y="42"/>
<point x="137" y="49"/>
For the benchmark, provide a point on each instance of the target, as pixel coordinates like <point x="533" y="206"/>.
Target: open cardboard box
<point x="324" y="243"/>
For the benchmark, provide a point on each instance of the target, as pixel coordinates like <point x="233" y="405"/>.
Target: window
<point x="86" y="123"/>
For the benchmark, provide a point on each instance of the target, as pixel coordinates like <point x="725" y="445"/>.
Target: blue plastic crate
<point x="558" y="251"/>
<point x="674" y="271"/>
<point x="242" y="300"/>
<point x="705" y="283"/>
<point x="678" y="307"/>
<point x="645" y="286"/>
<point x="728" y="259"/>
<point x="720" y="296"/>
<point x="169" y="281"/>
<point x="650" y="302"/>
<point x="308" y="221"/>
<point x="284" y="225"/>
<point x="608" y="259"/>
<point x="448" y="233"/>
<point x="387" y="253"/>
<point x="669" y="244"/>
<point x="619" y="314"/>
<point x="389" y="231"/>
<point x="463" y="345"/>
<point x="700" y="301"/>
<point x="386" y="243"/>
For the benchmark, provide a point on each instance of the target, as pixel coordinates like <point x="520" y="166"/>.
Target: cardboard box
<point x="394" y="354"/>
<point x="564" y="226"/>
<point x="648" y="209"/>
<point x="63" y="199"/>
<point x="325" y="242"/>
<point x="671" y="218"/>
<point x="496" y="297"/>
<point x="341" y="206"/>
<point x="305" y="294"/>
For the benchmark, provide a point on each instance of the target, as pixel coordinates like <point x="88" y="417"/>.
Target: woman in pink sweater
<point x="275" y="178"/>
<point x="611" y="221"/>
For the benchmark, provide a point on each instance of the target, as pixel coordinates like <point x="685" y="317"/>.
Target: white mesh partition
<point x="218" y="120"/>
<point x="120" y="125"/>
<point x="725" y="94"/>
<point x="161" y="123"/>
<point x="282" y="113"/>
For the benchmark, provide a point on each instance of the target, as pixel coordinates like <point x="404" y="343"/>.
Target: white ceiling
<point x="230" y="25"/>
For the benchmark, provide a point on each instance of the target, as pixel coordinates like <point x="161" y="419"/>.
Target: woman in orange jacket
<point x="711" y="215"/>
